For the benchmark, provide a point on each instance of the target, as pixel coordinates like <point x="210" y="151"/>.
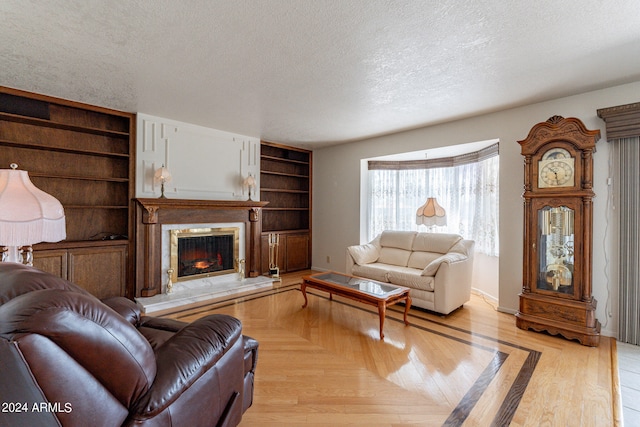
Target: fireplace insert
<point x="204" y="252"/>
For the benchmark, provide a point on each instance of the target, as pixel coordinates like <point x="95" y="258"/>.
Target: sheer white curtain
<point x="468" y="192"/>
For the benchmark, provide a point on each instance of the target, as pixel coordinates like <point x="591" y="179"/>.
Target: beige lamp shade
<point x="250" y="182"/>
<point x="431" y="213"/>
<point x="162" y="174"/>
<point x="28" y="215"/>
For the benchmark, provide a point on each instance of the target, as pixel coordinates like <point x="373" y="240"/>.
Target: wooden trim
<point x="616" y="392"/>
<point x="622" y="121"/>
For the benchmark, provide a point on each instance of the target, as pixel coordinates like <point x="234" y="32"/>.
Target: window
<point x="465" y="186"/>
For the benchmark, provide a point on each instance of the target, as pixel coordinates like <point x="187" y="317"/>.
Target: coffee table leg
<point x="382" y="309"/>
<point x="303" y="288"/>
<point x="407" y="306"/>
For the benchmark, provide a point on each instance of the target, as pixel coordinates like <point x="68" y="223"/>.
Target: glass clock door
<point x="556" y="255"/>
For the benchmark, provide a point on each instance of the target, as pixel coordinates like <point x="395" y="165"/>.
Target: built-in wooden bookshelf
<point x="285" y="182"/>
<point x="83" y="156"/>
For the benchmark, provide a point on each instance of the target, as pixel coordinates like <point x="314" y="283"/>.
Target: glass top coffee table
<point x="367" y="291"/>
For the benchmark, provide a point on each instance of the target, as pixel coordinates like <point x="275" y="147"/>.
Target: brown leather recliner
<point x="67" y="358"/>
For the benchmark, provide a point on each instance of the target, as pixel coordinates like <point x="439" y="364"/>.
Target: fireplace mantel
<point x="151" y="214"/>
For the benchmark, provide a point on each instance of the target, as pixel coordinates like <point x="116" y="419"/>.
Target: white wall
<point x="337" y="178"/>
<point x="205" y="164"/>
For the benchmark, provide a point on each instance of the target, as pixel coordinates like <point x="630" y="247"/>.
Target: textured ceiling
<point x="314" y="72"/>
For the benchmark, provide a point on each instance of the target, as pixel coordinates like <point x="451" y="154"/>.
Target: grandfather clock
<point x="558" y="228"/>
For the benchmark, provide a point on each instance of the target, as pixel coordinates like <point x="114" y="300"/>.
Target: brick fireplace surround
<point x="151" y="214"/>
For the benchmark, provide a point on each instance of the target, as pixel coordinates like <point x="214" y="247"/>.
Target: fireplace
<point x="154" y="216"/>
<point x="203" y="252"/>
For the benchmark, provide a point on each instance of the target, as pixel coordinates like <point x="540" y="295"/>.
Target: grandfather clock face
<point x="556" y="168"/>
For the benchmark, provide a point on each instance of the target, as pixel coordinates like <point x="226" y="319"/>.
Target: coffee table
<point x="367" y="291"/>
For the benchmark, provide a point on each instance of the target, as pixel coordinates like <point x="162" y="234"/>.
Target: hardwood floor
<point x="325" y="365"/>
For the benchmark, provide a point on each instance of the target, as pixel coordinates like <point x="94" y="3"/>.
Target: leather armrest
<point x="125" y="308"/>
<point x="158" y="330"/>
<point x="163" y="324"/>
<point x="250" y="354"/>
<point x="186" y="356"/>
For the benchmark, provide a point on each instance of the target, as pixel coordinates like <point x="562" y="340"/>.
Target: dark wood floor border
<point x="461" y="412"/>
<point x="514" y="396"/>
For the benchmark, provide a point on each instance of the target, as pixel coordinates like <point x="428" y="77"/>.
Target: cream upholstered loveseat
<point x="436" y="266"/>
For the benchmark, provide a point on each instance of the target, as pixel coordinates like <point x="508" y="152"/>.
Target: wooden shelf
<point x="285" y="182"/>
<point x="83" y="156"/>
<point x="280" y="159"/>
<point x="293" y="175"/>
<point x="77" y="177"/>
<point x="286" y="209"/>
<point x="95" y="207"/>
<point x="72" y="244"/>
<point x="64" y="126"/>
<point x="45" y="147"/>
<point x="281" y="190"/>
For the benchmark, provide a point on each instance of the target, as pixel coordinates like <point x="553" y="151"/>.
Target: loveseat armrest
<point x="363" y="254"/>
<point x="452" y="281"/>
<point x="449" y="258"/>
<point x="186" y="357"/>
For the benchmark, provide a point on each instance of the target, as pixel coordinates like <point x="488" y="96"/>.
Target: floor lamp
<point x="28" y="216"/>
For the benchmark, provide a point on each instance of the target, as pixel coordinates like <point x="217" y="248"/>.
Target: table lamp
<point x="249" y="183"/>
<point x="162" y="175"/>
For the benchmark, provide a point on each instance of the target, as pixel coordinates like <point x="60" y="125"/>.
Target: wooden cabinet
<point x="558" y="231"/>
<point x="293" y="252"/>
<point x="83" y="156"/>
<point x="285" y="182"/>
<point x="101" y="270"/>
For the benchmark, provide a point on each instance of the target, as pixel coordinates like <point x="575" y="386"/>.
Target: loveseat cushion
<point x="435" y="242"/>
<point x="375" y="271"/>
<point x="410" y="277"/>
<point x="397" y="239"/>
<point x="394" y="256"/>
<point x="420" y="260"/>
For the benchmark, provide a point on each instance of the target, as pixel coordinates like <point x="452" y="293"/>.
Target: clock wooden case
<point x="558" y="227"/>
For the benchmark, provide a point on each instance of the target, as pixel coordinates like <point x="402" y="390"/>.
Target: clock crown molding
<point x="560" y="129"/>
